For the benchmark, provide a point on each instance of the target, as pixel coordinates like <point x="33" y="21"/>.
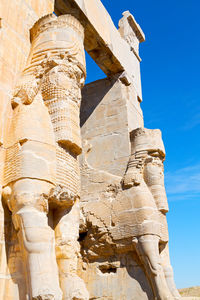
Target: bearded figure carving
<point x="41" y="185"/>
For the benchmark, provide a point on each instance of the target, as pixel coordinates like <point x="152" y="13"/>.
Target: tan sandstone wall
<point x="112" y="108"/>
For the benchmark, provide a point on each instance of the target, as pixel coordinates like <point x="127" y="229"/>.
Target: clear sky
<point x="170" y="72"/>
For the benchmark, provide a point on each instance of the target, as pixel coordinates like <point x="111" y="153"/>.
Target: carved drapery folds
<point x="41" y="171"/>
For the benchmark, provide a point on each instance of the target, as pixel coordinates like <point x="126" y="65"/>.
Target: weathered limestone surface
<point x="106" y="238"/>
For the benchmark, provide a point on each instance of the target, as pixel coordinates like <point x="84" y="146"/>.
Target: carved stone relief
<point x="41" y="181"/>
<point x="127" y="216"/>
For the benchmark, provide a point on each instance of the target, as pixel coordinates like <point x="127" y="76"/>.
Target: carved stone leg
<point x="147" y="247"/>
<point x="36" y="238"/>
<point x="168" y="271"/>
<point x="67" y="250"/>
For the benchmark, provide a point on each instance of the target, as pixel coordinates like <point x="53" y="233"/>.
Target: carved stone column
<point x="57" y="47"/>
<point x="41" y="168"/>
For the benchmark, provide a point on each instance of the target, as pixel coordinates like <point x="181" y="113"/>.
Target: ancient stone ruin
<point x="83" y="203"/>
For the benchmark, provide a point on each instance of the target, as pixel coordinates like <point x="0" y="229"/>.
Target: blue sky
<point x="170" y="82"/>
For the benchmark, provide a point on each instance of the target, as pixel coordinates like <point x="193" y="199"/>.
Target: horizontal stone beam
<point x="103" y="42"/>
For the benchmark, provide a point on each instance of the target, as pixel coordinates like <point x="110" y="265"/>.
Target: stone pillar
<point x="57" y="47"/>
<point x="42" y="181"/>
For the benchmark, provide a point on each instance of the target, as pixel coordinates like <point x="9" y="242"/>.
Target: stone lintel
<point x="102" y="39"/>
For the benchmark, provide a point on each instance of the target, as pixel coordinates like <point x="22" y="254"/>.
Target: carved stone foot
<point x="73" y="288"/>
